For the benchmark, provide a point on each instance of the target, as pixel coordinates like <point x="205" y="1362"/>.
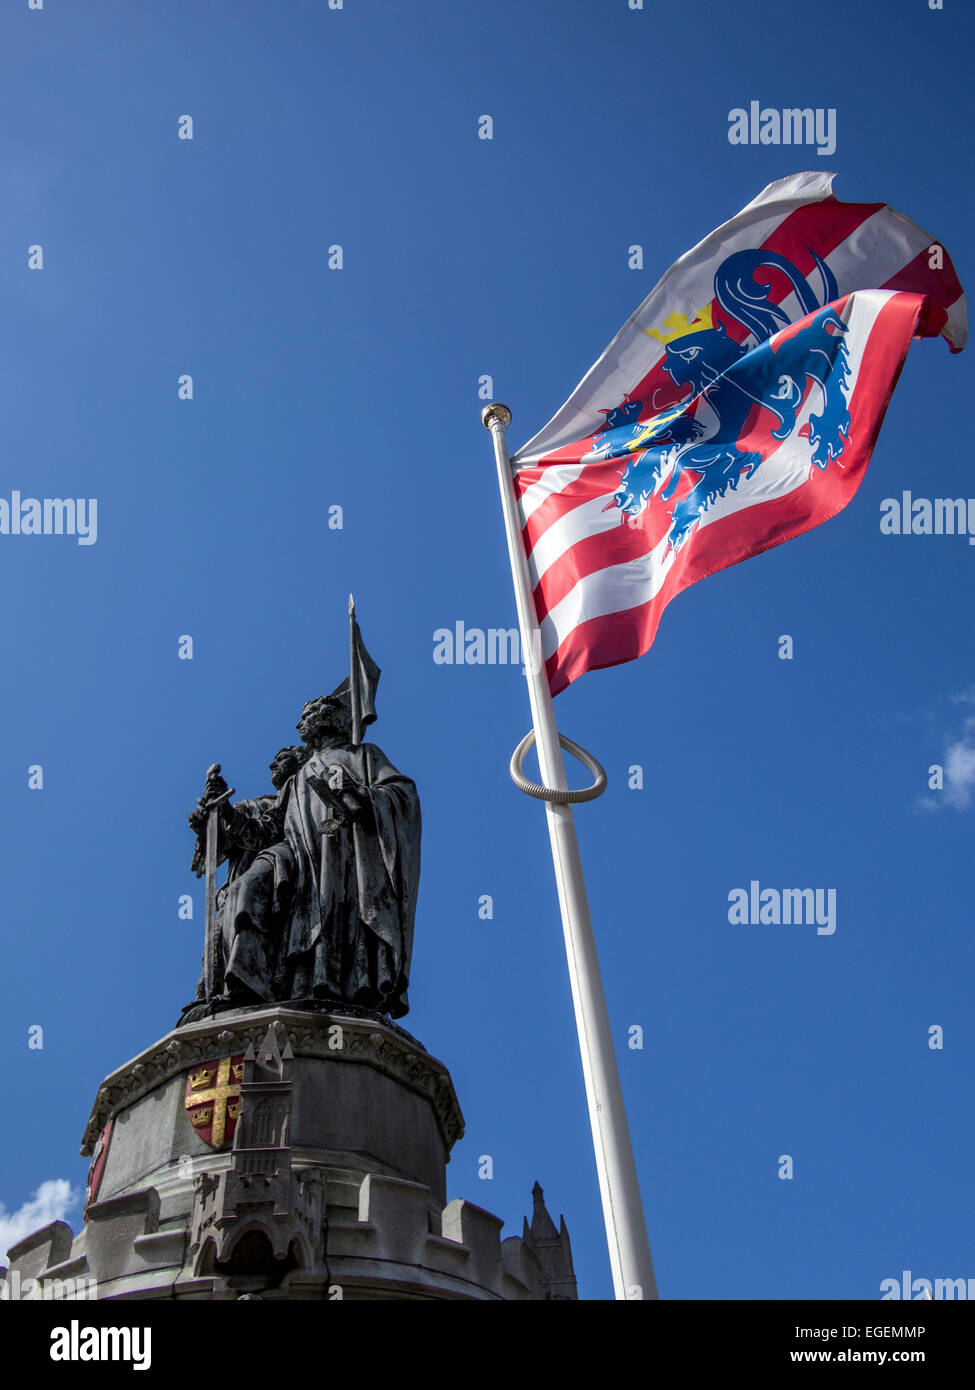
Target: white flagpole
<point x="626" y="1232"/>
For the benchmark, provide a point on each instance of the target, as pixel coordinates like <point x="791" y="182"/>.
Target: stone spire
<point x="552" y="1249"/>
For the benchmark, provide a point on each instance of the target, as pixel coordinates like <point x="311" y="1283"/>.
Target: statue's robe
<point x="334" y="902"/>
<point x="245" y="829"/>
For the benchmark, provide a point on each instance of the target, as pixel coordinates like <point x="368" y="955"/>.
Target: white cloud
<point x="959" y="766"/>
<point x="49" y="1203"/>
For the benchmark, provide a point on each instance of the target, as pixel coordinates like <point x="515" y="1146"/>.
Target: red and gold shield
<point x="97" y="1166"/>
<point x="213" y="1100"/>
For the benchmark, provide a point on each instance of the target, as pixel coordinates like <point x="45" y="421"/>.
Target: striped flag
<point x="737" y="408"/>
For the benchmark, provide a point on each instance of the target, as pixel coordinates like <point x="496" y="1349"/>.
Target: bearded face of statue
<point x="285" y="764"/>
<point x="323" y="722"/>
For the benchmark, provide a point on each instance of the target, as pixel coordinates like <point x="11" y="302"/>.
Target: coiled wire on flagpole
<point x="560" y="796"/>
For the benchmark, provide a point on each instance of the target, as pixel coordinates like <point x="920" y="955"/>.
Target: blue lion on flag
<point x="729" y="379"/>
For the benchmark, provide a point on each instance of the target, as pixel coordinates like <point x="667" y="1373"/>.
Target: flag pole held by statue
<point x="354" y="678"/>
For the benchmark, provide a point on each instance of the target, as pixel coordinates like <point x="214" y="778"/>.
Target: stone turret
<point x="258" y="1214"/>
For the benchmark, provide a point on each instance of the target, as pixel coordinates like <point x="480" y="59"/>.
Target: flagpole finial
<point x="495" y="411"/>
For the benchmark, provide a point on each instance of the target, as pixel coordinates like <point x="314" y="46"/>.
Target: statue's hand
<point x="356" y="805"/>
<point x="215" y="785"/>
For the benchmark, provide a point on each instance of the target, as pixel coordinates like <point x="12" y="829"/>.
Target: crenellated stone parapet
<point x="384" y="1249"/>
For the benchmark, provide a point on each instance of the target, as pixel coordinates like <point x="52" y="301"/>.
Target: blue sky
<point x="358" y="387"/>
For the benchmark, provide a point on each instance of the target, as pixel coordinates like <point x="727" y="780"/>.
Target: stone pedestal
<point x="283" y="1154"/>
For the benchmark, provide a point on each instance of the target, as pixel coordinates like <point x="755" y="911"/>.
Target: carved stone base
<point x="198" y="1012"/>
<point x="285" y="1153"/>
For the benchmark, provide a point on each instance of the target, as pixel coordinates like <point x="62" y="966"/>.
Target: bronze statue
<point x="320" y="898"/>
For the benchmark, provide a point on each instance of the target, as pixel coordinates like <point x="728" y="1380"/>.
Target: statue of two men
<point x="322" y="878"/>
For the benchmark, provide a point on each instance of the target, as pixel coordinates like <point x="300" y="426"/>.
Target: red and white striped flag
<point x="737" y="408"/>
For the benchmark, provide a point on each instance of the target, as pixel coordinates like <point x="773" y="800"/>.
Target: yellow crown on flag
<point x="679" y="325"/>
